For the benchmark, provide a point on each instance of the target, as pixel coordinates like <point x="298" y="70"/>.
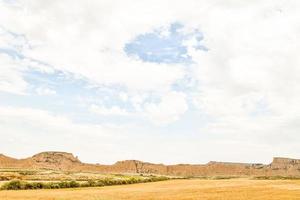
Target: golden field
<point x="232" y="189"/>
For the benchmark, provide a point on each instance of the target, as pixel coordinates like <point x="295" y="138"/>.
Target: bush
<point x="21" y="185"/>
<point x="37" y="185"/>
<point x="52" y="185"/>
<point x="64" y="184"/>
<point x="89" y="183"/>
<point x="100" y="183"/>
<point x="13" y="185"/>
<point x="276" y="178"/>
<point x="73" y="184"/>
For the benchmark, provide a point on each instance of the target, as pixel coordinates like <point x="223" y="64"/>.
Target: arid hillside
<point x="68" y="162"/>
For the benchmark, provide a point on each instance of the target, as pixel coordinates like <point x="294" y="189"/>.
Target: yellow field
<point x="234" y="189"/>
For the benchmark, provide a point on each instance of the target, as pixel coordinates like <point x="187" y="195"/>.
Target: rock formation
<point x="67" y="162"/>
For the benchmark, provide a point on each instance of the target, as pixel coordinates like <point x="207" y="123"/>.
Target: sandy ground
<point x="234" y="189"/>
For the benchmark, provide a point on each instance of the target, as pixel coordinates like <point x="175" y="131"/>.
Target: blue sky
<point x="63" y="93"/>
<point x="159" y="48"/>
<point x="188" y="82"/>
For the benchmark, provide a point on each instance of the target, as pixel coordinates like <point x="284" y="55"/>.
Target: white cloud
<point x="11" y="78"/>
<point x="12" y="75"/>
<point x="252" y="57"/>
<point x="123" y="96"/>
<point x="166" y="109"/>
<point x="97" y="41"/>
<point x="114" y="110"/>
<point x="44" y="91"/>
<point x="169" y="109"/>
<point x="33" y="130"/>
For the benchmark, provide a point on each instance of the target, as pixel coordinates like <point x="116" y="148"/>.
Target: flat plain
<point x="194" y="189"/>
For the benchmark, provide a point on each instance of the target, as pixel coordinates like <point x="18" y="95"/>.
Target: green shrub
<point x="133" y="180"/>
<point x="276" y="178"/>
<point x="38" y="185"/>
<point x="21" y="185"/>
<point x="25" y="173"/>
<point x="73" y="184"/>
<point x="52" y="185"/>
<point x="64" y="184"/>
<point x="106" y="181"/>
<point x="13" y="185"/>
<point x="100" y="183"/>
<point x="89" y="183"/>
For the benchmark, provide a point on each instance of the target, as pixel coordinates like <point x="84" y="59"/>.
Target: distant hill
<point x="67" y="162"/>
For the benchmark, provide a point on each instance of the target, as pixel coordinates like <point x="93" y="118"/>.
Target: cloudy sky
<point x="160" y="81"/>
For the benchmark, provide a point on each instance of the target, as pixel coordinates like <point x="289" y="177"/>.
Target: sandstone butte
<point x="68" y="162"/>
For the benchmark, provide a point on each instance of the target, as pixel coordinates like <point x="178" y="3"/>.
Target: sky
<point x="163" y="81"/>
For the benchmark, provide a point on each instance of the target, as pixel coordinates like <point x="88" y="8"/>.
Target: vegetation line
<point x="24" y="185"/>
<point x="276" y="178"/>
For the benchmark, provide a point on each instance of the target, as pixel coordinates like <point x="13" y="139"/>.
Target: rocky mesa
<point x="68" y="162"/>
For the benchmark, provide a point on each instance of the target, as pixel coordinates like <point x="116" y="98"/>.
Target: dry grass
<point x="49" y="175"/>
<point x="234" y="189"/>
